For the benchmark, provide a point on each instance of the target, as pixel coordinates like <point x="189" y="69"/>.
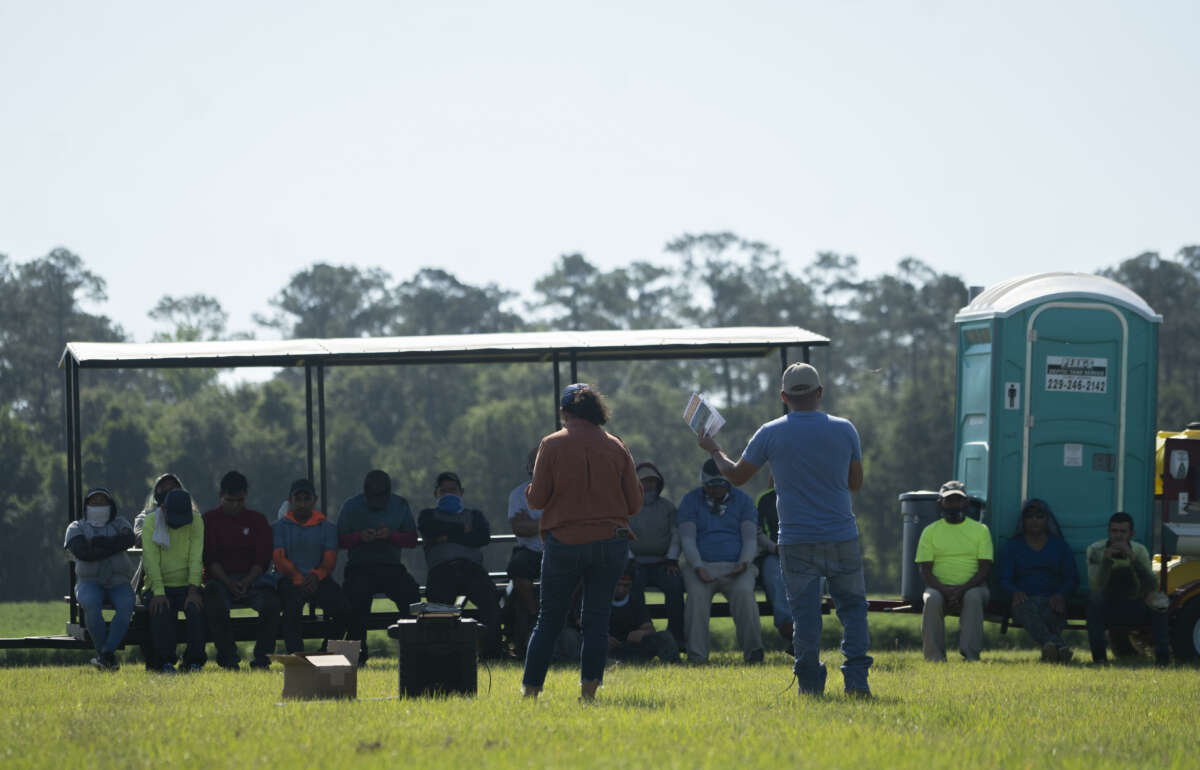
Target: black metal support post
<point x="807" y="354"/>
<point x="308" y="417"/>
<point x="557" y="392"/>
<point x="72" y="469"/>
<point x="321" y="430"/>
<point x="783" y="365"/>
<point x="574" y="368"/>
<point x="76" y="442"/>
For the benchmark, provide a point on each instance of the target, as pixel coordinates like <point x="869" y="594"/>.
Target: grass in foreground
<point x="1007" y="711"/>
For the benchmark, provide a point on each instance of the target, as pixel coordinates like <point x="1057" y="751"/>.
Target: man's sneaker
<point x="229" y="666"/>
<point x="260" y="664"/>
<point x="194" y="668"/>
<point x="1049" y="652"/>
<point x="98" y="663"/>
<point x="1065" y="654"/>
<point x="1162" y="660"/>
<point x="167" y="668"/>
<point x="110" y="661"/>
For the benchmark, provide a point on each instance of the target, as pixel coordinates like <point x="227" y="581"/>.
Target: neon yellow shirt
<point x="954" y="549"/>
<point x="175" y="567"/>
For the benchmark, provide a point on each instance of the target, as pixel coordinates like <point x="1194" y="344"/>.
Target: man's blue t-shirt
<point x="810" y="454"/>
<point x="718" y="537"/>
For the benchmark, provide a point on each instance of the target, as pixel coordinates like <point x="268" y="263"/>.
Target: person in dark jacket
<point x="97" y="543"/>
<point x="1037" y="569"/>
<point x="454" y="537"/>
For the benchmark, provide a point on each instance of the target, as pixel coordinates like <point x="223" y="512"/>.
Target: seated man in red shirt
<point x="237" y="553"/>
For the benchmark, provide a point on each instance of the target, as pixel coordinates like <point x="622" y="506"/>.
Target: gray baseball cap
<point x="800" y="379"/>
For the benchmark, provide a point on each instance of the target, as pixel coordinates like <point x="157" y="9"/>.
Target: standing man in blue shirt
<point x="817" y="462"/>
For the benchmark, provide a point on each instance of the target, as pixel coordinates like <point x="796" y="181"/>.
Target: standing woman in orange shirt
<point x="586" y="485"/>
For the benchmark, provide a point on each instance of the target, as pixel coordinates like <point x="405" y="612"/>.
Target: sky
<point x="221" y="147"/>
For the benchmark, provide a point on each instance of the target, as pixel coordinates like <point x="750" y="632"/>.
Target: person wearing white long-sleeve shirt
<point x="718" y="531"/>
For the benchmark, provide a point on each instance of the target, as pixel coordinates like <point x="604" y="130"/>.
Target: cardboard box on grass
<point x="330" y="674"/>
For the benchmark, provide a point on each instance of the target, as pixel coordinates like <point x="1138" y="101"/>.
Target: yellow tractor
<point x="1178" y="515"/>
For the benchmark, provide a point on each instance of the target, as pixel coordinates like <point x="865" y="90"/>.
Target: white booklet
<point x="701" y="416"/>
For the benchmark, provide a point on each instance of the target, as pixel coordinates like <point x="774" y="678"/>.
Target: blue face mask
<point x="450" y="504"/>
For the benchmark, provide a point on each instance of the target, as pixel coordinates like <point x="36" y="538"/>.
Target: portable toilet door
<point x="1070" y="407"/>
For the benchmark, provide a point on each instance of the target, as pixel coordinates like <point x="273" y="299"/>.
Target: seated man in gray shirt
<point x="656" y="549"/>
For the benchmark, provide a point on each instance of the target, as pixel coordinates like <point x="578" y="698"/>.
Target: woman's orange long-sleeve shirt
<point x="585" y="483"/>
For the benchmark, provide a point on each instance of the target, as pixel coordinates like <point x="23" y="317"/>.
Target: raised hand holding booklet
<point x="701" y="416"/>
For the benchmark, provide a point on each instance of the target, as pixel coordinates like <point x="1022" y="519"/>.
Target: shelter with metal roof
<point x="315" y="355"/>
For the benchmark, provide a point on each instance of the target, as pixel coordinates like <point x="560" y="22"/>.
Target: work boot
<point x="1049" y="652"/>
<point x="587" y="690"/>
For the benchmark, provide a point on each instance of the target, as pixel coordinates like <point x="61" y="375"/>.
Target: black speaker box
<point x="437" y="656"/>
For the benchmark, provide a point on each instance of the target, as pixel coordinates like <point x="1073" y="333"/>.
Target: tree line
<point x="890" y="369"/>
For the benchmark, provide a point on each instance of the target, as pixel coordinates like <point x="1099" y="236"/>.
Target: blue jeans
<point x="597" y="566"/>
<point x="804" y="564"/>
<point x="91" y="597"/>
<point x="771" y="574"/>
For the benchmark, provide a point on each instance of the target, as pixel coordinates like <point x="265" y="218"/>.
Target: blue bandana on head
<point x="568" y="394"/>
<point x="450" y="504"/>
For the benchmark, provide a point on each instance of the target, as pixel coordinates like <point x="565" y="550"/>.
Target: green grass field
<point x="1007" y="711"/>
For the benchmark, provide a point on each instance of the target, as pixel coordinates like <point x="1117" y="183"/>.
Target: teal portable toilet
<point x="1056" y="400"/>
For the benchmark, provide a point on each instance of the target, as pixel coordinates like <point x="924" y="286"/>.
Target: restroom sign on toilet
<point x="1074" y="374"/>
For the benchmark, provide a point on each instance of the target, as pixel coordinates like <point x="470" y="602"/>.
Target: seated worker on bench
<point x="173" y="552"/>
<point x="656" y="548"/>
<point x="631" y="634"/>
<point x="454" y="537"/>
<point x="374" y="527"/>
<point x="305" y="555"/>
<point x="237" y="554"/>
<point x="718" y="528"/>
<point x="1037" y="569"/>
<point x="525" y="565"/>
<point x="1123" y="592"/>
<point x="955" y="556"/>
<point x="97" y="543"/>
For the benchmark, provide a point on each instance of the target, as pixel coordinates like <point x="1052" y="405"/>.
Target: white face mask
<point x="98" y="514"/>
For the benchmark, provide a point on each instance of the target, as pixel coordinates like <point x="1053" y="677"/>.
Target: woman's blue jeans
<point x="596" y="566"/>
<point x="91" y="598"/>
